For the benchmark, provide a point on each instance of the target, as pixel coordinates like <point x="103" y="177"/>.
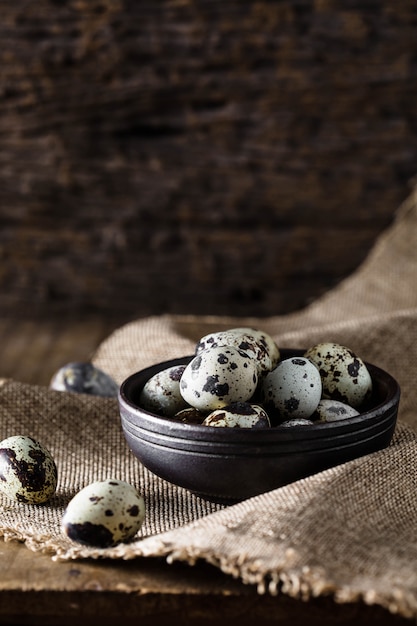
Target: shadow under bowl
<point x="231" y="464"/>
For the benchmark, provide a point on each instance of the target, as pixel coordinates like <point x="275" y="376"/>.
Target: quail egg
<point x="293" y="389"/>
<point x="84" y="378"/>
<point x="344" y="375"/>
<point x="239" y="415"/>
<point x="219" y="376"/>
<point x="333" y="411"/>
<point x="297" y="421"/>
<point x="256" y="343"/>
<point x="190" y="415"/>
<point x="104" y="513"/>
<point x="27" y="470"/>
<point x="161" y="394"/>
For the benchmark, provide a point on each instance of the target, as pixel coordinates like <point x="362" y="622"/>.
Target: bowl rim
<point x="154" y="422"/>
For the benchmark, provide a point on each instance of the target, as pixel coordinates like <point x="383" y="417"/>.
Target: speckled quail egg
<point x="27" y="470"/>
<point x="344" y="375"/>
<point x="104" y="513"/>
<point x="333" y="410"/>
<point x="219" y="376"/>
<point x="297" y="421"/>
<point x="161" y="393"/>
<point x="190" y="415"/>
<point x="293" y="389"/>
<point x="239" y="415"/>
<point x="86" y="378"/>
<point x="255" y="343"/>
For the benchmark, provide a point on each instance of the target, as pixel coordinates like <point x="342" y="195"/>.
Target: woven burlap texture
<point x="350" y="531"/>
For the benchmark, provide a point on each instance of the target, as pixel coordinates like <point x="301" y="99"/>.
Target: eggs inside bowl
<point x="231" y="464"/>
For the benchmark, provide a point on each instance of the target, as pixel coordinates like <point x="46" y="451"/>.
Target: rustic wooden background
<point x="221" y="157"/>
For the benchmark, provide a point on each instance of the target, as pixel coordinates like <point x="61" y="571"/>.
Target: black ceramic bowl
<point x="231" y="464"/>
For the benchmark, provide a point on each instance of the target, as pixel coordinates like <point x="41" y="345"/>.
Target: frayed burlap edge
<point x="304" y="584"/>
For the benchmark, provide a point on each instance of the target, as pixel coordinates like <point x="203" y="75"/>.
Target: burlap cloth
<point x="350" y="531"/>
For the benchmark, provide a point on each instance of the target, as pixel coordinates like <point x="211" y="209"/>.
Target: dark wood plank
<point x="36" y="591"/>
<point x="198" y="157"/>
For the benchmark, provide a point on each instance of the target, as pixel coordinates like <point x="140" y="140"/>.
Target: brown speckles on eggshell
<point x="175" y="373"/>
<point x="254" y="343"/>
<point x="27" y="470"/>
<point x="225" y="374"/>
<point x="239" y="415"/>
<point x="90" y="534"/>
<point x="133" y="511"/>
<point x="292" y="389"/>
<point x="190" y="415"/>
<point x="344" y="375"/>
<point x="291" y="405"/>
<point x="104" y="513"/>
<point x="161" y="394"/>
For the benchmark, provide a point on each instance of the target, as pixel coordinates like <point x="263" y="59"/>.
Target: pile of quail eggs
<point x="238" y="379"/>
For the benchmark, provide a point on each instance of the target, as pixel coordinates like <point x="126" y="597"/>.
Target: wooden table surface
<point x="35" y="590"/>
